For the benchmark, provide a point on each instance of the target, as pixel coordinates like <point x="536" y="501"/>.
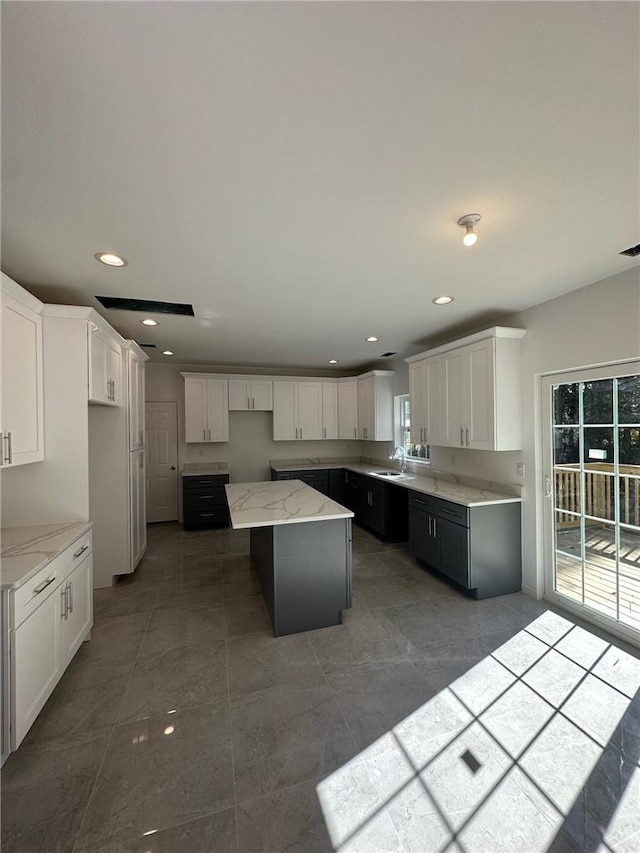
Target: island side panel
<point x="495" y="549"/>
<point x="261" y="546"/>
<point x="312" y="565"/>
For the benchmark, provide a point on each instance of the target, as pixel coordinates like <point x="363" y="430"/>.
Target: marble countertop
<point x="25" y="550"/>
<point x="448" y="489"/>
<point x="279" y="502"/>
<point x="199" y="469"/>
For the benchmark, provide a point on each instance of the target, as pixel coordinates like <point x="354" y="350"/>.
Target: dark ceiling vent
<point x="148" y="306"/>
<point x="148" y="346"/>
<point x="632" y="252"/>
<point x="388" y="354"/>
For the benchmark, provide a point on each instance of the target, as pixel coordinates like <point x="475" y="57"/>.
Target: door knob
<point x="173" y="467"/>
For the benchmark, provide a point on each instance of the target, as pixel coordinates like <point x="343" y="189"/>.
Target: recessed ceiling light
<point x="149" y="322"/>
<point x="442" y="300"/>
<point x="371" y="339"/>
<point x="333" y="361"/>
<point x="166" y="352"/>
<point x="110" y="259"/>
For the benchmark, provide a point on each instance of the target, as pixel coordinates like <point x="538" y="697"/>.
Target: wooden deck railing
<point x="599" y="493"/>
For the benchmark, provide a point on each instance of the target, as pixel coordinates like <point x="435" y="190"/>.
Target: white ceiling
<point x="296" y="170"/>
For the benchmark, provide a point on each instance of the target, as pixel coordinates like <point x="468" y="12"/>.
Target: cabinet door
<point x="347" y="410"/>
<point x="366" y="394"/>
<point x="195" y="409"/>
<point x="217" y="410"/>
<point x="422" y="542"/>
<point x="377" y="508"/>
<point x="309" y="410"/>
<point x="479" y="395"/>
<point x="135" y="366"/>
<point x="98" y="380"/>
<point x="432" y="378"/>
<point x="35" y="664"/>
<point x="114" y="373"/>
<point x="137" y="508"/>
<point x="329" y="410"/>
<point x="262" y="395"/>
<point x="454" y="550"/>
<point x="285" y="403"/>
<point x="22" y="387"/>
<point x="417" y="392"/>
<point x="239" y="395"/>
<point x="78" y="588"/>
<point x="452" y="379"/>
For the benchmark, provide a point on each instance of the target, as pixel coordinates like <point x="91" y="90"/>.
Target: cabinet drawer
<point x="421" y="501"/>
<point x="218" y="480"/>
<point x="452" y="512"/>
<point x="212" y="496"/>
<point x="76" y="553"/>
<point x="27" y="598"/>
<point x="195" y="516"/>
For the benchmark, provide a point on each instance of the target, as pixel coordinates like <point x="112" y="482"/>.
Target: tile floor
<point x="426" y="722"/>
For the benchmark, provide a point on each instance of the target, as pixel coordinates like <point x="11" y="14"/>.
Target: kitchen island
<point x="301" y="551"/>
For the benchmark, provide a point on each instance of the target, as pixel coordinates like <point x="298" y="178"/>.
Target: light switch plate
<point x="520" y="469"/>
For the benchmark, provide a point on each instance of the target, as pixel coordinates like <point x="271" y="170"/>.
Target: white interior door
<point x="591" y="447"/>
<point x="162" y="461"/>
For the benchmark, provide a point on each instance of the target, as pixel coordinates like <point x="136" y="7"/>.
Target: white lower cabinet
<point x="47" y="632"/>
<point x="137" y="503"/>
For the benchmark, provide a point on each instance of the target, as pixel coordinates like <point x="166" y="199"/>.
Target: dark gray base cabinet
<point x="204" y="501"/>
<point x="378" y="506"/>
<point x="478" y="547"/>
<point x="318" y="480"/>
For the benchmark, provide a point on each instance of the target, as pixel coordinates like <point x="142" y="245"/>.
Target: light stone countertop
<point x="25" y="550"/>
<point x="202" y="469"/>
<point x="447" y="489"/>
<point x="279" y="502"/>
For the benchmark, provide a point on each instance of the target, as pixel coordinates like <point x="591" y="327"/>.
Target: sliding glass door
<point x="592" y="460"/>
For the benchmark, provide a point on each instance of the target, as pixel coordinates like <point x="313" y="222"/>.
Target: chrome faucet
<point x="400" y="453"/>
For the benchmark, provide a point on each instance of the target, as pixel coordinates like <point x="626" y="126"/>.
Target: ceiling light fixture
<point x="371" y="339"/>
<point x="468" y="222"/>
<point x="333" y="361"/>
<point x="110" y="259"/>
<point x="149" y="322"/>
<point x="442" y="300"/>
<point x="167" y="352"/>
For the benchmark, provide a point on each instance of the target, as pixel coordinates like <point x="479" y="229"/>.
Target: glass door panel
<point x="594" y="448"/>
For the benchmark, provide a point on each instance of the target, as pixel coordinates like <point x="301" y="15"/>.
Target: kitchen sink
<point x="386" y="473"/>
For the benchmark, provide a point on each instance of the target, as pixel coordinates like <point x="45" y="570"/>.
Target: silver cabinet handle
<point x="461" y="437"/>
<point x="296" y="432"/>
<point x="206" y="514"/>
<point x="418" y="501"/>
<point x="300" y="432"/>
<point x="466" y="433"/>
<point x="248" y="403"/>
<point x="10" y="443"/>
<point x="80" y="551"/>
<point x="204" y="435"/>
<point x="429" y="525"/>
<point x="141" y="437"/>
<point x="253" y="402"/>
<point x="70" y="585"/>
<point x="63" y="593"/>
<point x="355" y="432"/>
<point x="324" y="432"/>
<point x="42" y="586"/>
<point x="547" y="487"/>
<point x="435" y="528"/>
<point x="204" y="497"/>
<point x="209" y="435"/>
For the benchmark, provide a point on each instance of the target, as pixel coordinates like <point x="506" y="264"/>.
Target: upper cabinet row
<point x="303" y="410"/>
<point x="468" y="393"/>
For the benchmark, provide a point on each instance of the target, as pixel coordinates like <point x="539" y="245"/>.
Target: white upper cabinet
<point x="375" y="406"/>
<point x="297" y="411"/>
<point x="206" y="409"/>
<point x="348" y="409"/>
<point x="105" y="367"/>
<point x="22" y="403"/>
<point x="475" y="384"/>
<point x="136" y="395"/>
<point x="250" y="395"/>
<point x="329" y="410"/>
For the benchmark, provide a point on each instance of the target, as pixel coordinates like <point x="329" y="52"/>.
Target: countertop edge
<point x="8" y="586"/>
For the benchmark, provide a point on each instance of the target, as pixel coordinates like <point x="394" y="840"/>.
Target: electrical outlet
<point x="520" y="469"/>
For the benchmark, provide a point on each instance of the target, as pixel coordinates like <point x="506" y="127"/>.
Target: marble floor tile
<point x="582" y="647"/>
<point x="482" y="685"/>
<point x="116" y="640"/>
<point x="287" y="735"/>
<point x="363" y="637"/>
<point x="259" y="661"/>
<point x="247" y="615"/>
<point x="215" y="833"/>
<point x="417" y="820"/>
<point x="596" y="708"/>
<point x="623" y="832"/>
<point x="123" y="600"/>
<point x="520" y="652"/>
<point x="549" y="627"/>
<point x="620" y="670"/>
<point x="157" y="773"/>
<point x="554" y="677"/>
<point x="169" y="629"/>
<point x="369" y="566"/>
<point x="45" y="790"/>
<point x="516" y="718"/>
<point x="375" y="697"/>
<point x="399" y="560"/>
<point x="239" y="584"/>
<point x="291" y="819"/>
<point x="169" y="599"/>
<point x="87" y="697"/>
<point x="386" y="591"/>
<point x="177" y="678"/>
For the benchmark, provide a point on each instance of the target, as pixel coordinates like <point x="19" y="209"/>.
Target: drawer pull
<point x="204" y="497"/>
<point x="42" y="586"/>
<point x="80" y="551"/>
<point x="418" y="501"/>
<point x="206" y="514"/>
